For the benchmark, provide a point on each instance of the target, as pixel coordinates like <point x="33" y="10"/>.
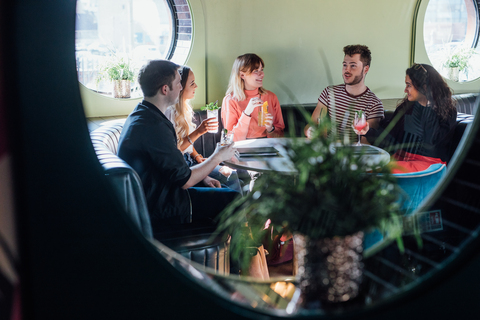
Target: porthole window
<point x="114" y="38"/>
<point x="451" y="36"/>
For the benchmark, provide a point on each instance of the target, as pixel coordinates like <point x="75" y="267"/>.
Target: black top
<point x="416" y="129"/>
<point x="148" y="143"/>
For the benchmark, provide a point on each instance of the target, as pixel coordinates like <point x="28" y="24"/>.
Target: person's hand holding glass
<point x="360" y="125"/>
<point x="226" y="138"/>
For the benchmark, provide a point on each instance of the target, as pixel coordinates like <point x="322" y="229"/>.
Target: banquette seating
<point x="295" y="121"/>
<point x="192" y="242"/>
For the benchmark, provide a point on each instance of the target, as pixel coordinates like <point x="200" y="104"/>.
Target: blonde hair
<point x="244" y="63"/>
<point x="183" y="111"/>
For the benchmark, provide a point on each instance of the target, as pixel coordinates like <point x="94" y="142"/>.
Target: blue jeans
<point x="231" y="182"/>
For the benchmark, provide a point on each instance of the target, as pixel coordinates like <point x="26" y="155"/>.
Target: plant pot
<point x="329" y="271"/>
<point x="121" y="88"/>
<point x="453" y="74"/>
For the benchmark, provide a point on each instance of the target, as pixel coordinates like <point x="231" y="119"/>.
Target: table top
<point x="262" y="162"/>
<point x="258" y="155"/>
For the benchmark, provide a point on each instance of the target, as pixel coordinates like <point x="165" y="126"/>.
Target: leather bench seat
<point x="195" y="242"/>
<point x="296" y="117"/>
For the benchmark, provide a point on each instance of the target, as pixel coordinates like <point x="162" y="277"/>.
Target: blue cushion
<point x="418" y="185"/>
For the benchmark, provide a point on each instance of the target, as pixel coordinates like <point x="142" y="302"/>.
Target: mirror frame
<point x="79" y="253"/>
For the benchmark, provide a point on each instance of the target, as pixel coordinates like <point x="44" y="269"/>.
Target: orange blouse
<point x="245" y="127"/>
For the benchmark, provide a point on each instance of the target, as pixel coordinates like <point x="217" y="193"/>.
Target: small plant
<point x="211" y="106"/>
<point x="334" y="193"/>
<point x="459" y="59"/>
<point x="117" y="68"/>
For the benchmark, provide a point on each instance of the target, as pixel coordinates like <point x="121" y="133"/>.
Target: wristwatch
<point x="273" y="129"/>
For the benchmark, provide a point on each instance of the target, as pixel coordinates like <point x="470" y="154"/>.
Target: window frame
<point x="418" y="51"/>
<point x="182" y="30"/>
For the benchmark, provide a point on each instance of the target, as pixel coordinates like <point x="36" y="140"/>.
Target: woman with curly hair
<point x="422" y="127"/>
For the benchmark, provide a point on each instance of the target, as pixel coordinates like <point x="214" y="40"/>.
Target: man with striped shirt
<point x="341" y="101"/>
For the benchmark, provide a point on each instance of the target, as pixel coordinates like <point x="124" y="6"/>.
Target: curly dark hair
<point x="430" y="83"/>
<point x="365" y="54"/>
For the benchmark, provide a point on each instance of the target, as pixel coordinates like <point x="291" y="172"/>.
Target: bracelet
<point x="248" y="115"/>
<point x="197" y="156"/>
<point x="189" y="140"/>
<point x="273" y="129"/>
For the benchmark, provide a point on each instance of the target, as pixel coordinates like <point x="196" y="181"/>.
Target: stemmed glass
<point x="359" y="123"/>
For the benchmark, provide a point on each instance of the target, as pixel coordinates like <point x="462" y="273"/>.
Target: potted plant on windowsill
<point x="458" y="61"/>
<point x="120" y="72"/>
<point x="328" y="205"/>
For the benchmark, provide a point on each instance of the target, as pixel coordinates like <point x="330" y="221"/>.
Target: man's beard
<point x="355" y="80"/>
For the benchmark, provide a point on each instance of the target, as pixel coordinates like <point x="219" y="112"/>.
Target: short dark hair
<point x="155" y="74"/>
<point x="365" y="54"/>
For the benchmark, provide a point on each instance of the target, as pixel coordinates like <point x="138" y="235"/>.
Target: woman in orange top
<point x="244" y="98"/>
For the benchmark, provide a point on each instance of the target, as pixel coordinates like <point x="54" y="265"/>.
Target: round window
<point x="450" y="35"/>
<point x="114" y="38"/>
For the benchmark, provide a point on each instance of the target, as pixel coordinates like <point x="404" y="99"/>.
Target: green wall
<point x="301" y="43"/>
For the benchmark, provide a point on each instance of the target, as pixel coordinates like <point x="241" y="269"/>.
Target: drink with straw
<point x="262" y="114"/>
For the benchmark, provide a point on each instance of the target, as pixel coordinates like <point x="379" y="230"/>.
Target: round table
<point x="261" y="157"/>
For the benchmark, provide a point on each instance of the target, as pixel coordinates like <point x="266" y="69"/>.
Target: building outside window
<point x="133" y="30"/>
<point x="450" y="36"/>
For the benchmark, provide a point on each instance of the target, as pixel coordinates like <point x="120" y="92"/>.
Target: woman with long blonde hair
<point x="244" y="96"/>
<point x="181" y="116"/>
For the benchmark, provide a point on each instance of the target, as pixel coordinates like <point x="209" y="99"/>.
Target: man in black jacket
<point x="148" y="143"/>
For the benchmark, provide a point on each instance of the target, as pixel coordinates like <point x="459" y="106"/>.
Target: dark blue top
<point x="148" y="143"/>
<point x="416" y="129"/>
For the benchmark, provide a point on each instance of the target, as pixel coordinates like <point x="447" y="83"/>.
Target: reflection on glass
<point x="449" y="35"/>
<point x="139" y="30"/>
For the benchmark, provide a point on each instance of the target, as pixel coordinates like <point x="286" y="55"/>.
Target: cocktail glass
<point x="359" y="123"/>
<point x="227" y="138"/>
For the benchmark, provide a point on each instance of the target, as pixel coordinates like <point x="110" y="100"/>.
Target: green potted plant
<point x="328" y="205"/>
<point x="458" y="61"/>
<point x="120" y="72"/>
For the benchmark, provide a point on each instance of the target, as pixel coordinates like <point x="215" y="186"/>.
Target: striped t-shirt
<point x="342" y="106"/>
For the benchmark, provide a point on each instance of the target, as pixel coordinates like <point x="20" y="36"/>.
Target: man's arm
<point x="319" y="113"/>
<point x="374" y="123"/>
<point x="199" y="172"/>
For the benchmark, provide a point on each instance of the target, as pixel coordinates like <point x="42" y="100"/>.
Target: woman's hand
<point x="207" y="124"/>
<point x="199" y="158"/>
<point x="269" y="122"/>
<point x="252" y="104"/>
